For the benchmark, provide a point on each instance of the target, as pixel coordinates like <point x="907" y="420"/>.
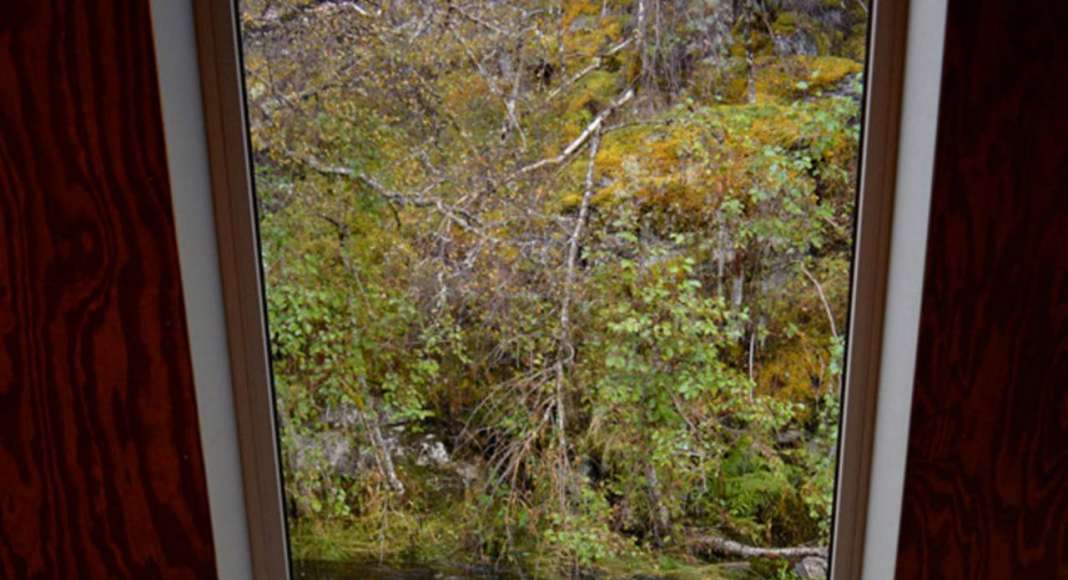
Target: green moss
<point x="664" y="568"/>
<point x="685" y="162"/>
<point x="407" y="536"/>
<point x="586" y="32"/>
<point x="791" y="373"/>
<point x="856" y="46"/>
<point x="789" y="79"/>
<point x="828" y="39"/>
<point x="592" y="93"/>
<point x="826" y="71"/>
<point x="589" y="42"/>
<point x="648" y="162"/>
<point x="573" y="9"/>
<point x="786" y="24"/>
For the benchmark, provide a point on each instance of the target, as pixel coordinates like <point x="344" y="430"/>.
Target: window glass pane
<point x="556" y="288"/>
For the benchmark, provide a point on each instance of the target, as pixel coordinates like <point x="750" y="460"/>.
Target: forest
<point x="557" y="288"/>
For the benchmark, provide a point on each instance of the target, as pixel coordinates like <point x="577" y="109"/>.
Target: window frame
<point x="897" y="151"/>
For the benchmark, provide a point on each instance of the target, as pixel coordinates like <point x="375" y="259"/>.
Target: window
<point x="553" y="311"/>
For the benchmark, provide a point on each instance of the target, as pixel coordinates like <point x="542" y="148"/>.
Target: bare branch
<point x="566" y="347"/>
<point x="509" y="100"/>
<point x="823" y="299"/>
<point x="374" y="433"/>
<point x="457" y="215"/>
<point x="727" y="547"/>
<point x="477" y="20"/>
<point x="579" y="141"/>
<point x="272" y="20"/>
<point x="594" y="65"/>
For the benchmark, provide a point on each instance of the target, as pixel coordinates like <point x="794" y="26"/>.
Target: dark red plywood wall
<point x="101" y="473"/>
<point x="986" y="489"/>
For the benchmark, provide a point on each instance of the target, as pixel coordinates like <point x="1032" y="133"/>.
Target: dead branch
<point x="385" y="458"/>
<point x="591" y="129"/>
<point x="459" y="216"/>
<point x="272" y="20"/>
<point x="477" y="20"/>
<point x="727" y="547"/>
<point x="567" y="348"/>
<point x="508" y="100"/>
<point x="594" y="65"/>
<point x="823" y="299"/>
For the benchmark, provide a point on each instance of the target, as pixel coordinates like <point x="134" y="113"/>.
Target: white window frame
<point x="198" y="56"/>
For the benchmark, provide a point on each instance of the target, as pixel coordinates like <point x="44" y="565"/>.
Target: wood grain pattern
<point x="986" y="490"/>
<point x="101" y="473"/>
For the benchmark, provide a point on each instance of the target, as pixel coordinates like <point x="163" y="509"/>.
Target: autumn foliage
<point x="596" y="250"/>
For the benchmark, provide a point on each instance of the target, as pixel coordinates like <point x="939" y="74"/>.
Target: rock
<point x="331" y="451"/>
<point x="344" y="416"/>
<point x="432" y="452"/>
<point x="583" y="23"/>
<point x="799" y="43"/>
<point x="851" y="86"/>
<point x="789" y="437"/>
<point x="469" y="472"/>
<point x="811" y="568"/>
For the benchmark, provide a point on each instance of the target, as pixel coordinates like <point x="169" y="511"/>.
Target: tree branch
<point x="823" y="299"/>
<point x="475" y="19"/>
<point x="594" y="65"/>
<point x="579" y="141"/>
<point x="566" y="352"/>
<point x="459" y="216"/>
<point x="268" y="22"/>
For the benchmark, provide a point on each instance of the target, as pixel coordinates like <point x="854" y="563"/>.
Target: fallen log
<point x="725" y="547"/>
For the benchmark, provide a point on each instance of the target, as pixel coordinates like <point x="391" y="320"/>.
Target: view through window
<point x="556" y="288"/>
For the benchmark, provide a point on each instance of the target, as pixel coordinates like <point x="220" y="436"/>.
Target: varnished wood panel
<point x="101" y="473"/>
<point x="986" y="490"/>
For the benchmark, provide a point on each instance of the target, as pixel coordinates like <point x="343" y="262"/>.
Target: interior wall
<point x="101" y="473"/>
<point x="986" y="485"/>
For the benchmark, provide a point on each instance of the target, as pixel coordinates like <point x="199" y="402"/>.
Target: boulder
<point x="811" y="568"/>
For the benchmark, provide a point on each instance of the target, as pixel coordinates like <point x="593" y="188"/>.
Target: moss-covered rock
<point x="790" y="79"/>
